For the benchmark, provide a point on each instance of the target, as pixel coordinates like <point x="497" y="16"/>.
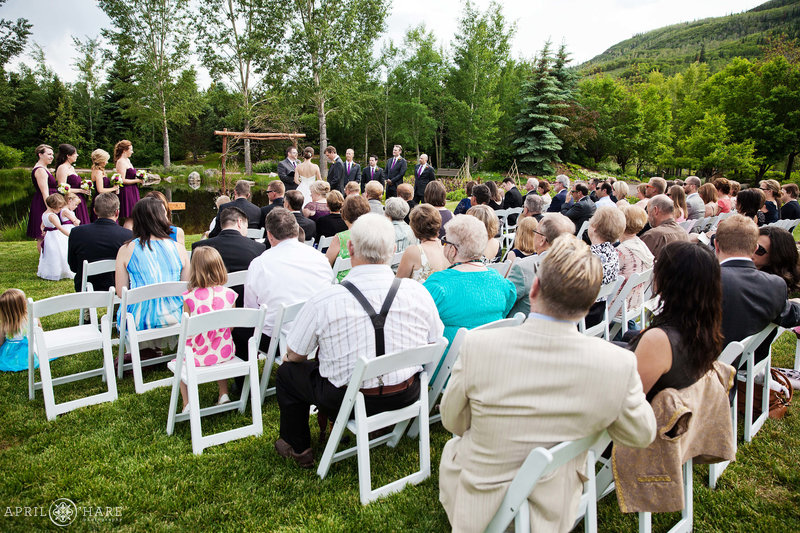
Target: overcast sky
<point x="588" y="27"/>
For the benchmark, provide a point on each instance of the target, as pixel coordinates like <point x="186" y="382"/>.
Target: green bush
<point x="773" y="175"/>
<point x="265" y="167"/>
<point x="9" y="157"/>
<point x="457" y="195"/>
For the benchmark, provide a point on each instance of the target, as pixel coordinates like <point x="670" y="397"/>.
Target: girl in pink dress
<point x="206" y="293"/>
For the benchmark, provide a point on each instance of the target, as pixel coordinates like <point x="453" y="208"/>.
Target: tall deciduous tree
<point x="154" y="36"/>
<point x="328" y="40"/>
<point x="13" y="36"/>
<point x="90" y="75"/>
<point x="481" y="51"/>
<point x="241" y="41"/>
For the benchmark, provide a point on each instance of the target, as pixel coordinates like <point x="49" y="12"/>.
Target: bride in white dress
<point x="305" y="174"/>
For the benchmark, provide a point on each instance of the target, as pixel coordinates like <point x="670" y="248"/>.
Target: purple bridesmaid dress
<point x="128" y="195"/>
<point x="107" y="185"/>
<point x="81" y="212"/>
<point x="37" y="204"/>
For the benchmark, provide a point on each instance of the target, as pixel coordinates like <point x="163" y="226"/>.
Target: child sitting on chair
<point x="206" y="293"/>
<point x="14" y="332"/>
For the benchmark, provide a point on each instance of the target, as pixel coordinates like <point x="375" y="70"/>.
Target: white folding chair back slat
<point x="619" y="313"/>
<point x="324" y="243"/>
<point x="255" y="233"/>
<point x="236" y="279"/>
<point x="284" y="315"/>
<point x="753" y="369"/>
<point x="396" y="258"/>
<point x="69" y="341"/>
<point x="729" y="355"/>
<point x="600" y="329"/>
<point x="583" y="229"/>
<point x="362" y="424"/>
<point x="130" y="337"/>
<point x="186" y="371"/>
<point x="510" y="228"/>
<point x="539" y="463"/>
<point x="340" y="265"/>
<point x="439" y="382"/>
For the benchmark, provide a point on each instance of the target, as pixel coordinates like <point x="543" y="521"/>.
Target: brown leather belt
<point x="389" y="389"/>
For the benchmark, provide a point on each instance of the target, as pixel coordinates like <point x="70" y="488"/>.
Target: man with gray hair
<point x="655" y="186"/>
<point x="531" y="185"/>
<point x="694" y="204"/>
<point x="560" y="186"/>
<point x="411" y="320"/>
<point x="662" y="223"/>
<point x="523" y="271"/>
<point x="532" y="207"/>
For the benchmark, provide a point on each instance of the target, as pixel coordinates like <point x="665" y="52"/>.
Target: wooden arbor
<point x="253" y="137"/>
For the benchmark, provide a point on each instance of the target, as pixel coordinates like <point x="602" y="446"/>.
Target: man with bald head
<point x="662" y="223"/>
<point x="423" y="175"/>
<point x="694" y="204"/>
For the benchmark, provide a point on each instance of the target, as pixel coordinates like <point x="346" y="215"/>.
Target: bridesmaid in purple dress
<point x="65" y="173"/>
<point x="44" y="184"/>
<point x="102" y="183"/>
<point x="129" y="193"/>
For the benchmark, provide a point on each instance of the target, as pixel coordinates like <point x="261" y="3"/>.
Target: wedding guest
<point x="605" y="227"/>
<point x="332" y="223"/>
<point x="352" y="209"/>
<point x="464" y="204"/>
<point x="533" y="207"/>
<point x="694" y="204"/>
<point x="318" y="206"/>
<point x="790" y="209"/>
<point x="523" y="239"/>
<point x="275" y="192"/>
<point x="544" y="191"/>
<point x="65" y="173"/>
<point x="634" y="255"/>
<point x="560" y="186"/>
<point x="467" y="294"/>
<point x="708" y="193"/>
<point x="396" y="211"/>
<point x="374" y="192"/>
<point x="492" y="224"/>
<point x="352" y="188"/>
<point x="14" y="332"/>
<point x="678" y="196"/>
<point x="436" y="195"/>
<point x="663" y="227"/>
<point x="749" y="203"/>
<point x="777" y="254"/>
<point x="641" y="194"/>
<point x="406" y="192"/>
<point x="495" y="199"/>
<point x="723" y="187"/>
<point x="621" y="189"/>
<point x="294" y="203"/>
<point x="129" y="190"/>
<point x="219" y="202"/>
<point x="175" y="233"/>
<point x="241" y="199"/>
<point x="421" y="260"/>
<point x="772" y="194"/>
<point x="512" y="198"/>
<point x="44" y="184"/>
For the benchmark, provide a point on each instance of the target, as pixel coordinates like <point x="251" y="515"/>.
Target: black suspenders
<point x="378" y="319"/>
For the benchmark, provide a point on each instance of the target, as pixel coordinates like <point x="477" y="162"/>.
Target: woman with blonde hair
<point x="708" y="193"/>
<point x="678" y="196"/>
<point x="772" y="193"/>
<point x="102" y="183"/>
<point x="318" y="207"/>
<point x="523" y="239"/>
<point x="634" y="255"/>
<point x="486" y="215"/>
<point x="621" y="189"/>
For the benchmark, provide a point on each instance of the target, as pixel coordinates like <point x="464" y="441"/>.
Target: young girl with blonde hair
<point x="14" y="332"/>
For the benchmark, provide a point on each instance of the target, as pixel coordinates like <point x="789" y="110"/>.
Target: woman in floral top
<point x="605" y="228"/>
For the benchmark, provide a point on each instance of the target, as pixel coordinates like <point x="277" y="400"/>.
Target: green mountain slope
<point x="712" y="40"/>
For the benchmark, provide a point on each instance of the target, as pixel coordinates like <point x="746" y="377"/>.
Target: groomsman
<point x="372" y="172"/>
<point x="336" y="170"/>
<point x="286" y="169"/>
<point x="423" y="175"/>
<point x="395" y="170"/>
<point x="352" y="170"/>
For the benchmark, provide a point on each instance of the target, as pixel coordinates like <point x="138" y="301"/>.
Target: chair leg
<point x="32" y="373"/>
<point x="255" y="399"/>
<point x="645" y="522"/>
<point x="108" y="360"/>
<point x="194" y="416"/>
<point x="362" y="451"/>
<point x="47" y="387"/>
<point x="173" y="399"/>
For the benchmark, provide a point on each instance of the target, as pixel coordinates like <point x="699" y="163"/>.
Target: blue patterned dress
<point x="159" y="262"/>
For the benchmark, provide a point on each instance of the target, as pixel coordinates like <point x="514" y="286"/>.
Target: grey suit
<point x="695" y="206"/>
<point x="286" y="174"/>
<point x="521" y="274"/>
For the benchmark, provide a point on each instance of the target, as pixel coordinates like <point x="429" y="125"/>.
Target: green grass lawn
<point x="119" y="455"/>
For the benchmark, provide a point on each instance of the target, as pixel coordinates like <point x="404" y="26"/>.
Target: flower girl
<point x="67" y="215"/>
<point x="53" y="259"/>
<point x="14" y="332"/>
<point x="206" y="293"/>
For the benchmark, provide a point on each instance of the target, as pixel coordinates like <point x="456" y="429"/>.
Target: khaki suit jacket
<point x="537" y="384"/>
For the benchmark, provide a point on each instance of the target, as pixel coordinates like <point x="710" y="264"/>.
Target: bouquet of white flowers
<point x="64" y="188"/>
<point x="116" y="179"/>
<point x="142" y="175"/>
<point x="87" y="185"/>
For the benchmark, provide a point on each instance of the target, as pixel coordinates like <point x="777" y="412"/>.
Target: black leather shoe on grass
<point x="303" y="460"/>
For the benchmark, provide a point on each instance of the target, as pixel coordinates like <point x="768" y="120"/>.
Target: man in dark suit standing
<point x="241" y="195"/>
<point x="372" y="172"/>
<point x="423" y="175"/>
<point x="751" y="299"/>
<point x="275" y="192"/>
<point x="395" y="170"/>
<point x="582" y="208"/>
<point x="336" y="170"/>
<point x="236" y="249"/>
<point x="97" y="241"/>
<point x="286" y="169"/>
<point x="352" y="170"/>
<point x="560" y="186"/>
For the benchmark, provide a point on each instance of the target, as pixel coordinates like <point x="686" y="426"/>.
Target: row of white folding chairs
<point x="787" y="224"/>
<point x="507" y="227"/>
<point x="345" y="263"/>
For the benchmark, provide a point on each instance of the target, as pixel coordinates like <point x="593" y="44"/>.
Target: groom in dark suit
<point x="372" y="172"/>
<point x="423" y="175"/>
<point x="352" y="170"/>
<point x="395" y="170"/>
<point x="99" y="240"/>
<point x="286" y="169"/>
<point x="336" y="170"/>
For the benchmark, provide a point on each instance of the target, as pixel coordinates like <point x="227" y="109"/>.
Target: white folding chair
<point x="600" y="329"/>
<point x="439" y="382"/>
<point x="184" y="370"/>
<point x="235" y="279"/>
<point x="340" y="265"/>
<point x="362" y="424"/>
<point x="69" y="341"/>
<point x="583" y="229"/>
<point x="539" y="463"/>
<point x="751" y="370"/>
<point x="277" y="343"/>
<point x="728" y="356"/>
<point x="684" y="525"/>
<point x="255" y="233"/>
<point x="395" y="262"/>
<point x="130" y="337"/>
<point x="502" y="217"/>
<point x="510" y="228"/>
<point x="712" y="225"/>
<point x="701" y="225"/>
<point x="791" y="225"/>
<point x="688" y="225"/>
<point x="619" y="313"/>
<point x="103" y="266"/>
<point x="309" y="242"/>
<point x="324" y="243"/>
<point x="507" y="243"/>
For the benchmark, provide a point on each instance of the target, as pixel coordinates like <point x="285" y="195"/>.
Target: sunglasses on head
<point x="761" y="251"/>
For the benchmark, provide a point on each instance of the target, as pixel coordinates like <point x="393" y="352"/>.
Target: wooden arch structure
<point x="253" y="137"/>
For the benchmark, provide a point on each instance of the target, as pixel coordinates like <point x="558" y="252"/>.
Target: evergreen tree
<point x="540" y="118"/>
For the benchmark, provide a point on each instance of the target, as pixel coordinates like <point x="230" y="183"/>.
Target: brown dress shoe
<point x="304" y="460"/>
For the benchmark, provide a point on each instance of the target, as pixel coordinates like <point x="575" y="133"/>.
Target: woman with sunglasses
<point x="772" y="204"/>
<point x="777" y="254"/>
<point x="467" y="294"/>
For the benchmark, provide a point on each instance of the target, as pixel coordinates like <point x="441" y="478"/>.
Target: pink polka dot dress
<point x="215" y="346"/>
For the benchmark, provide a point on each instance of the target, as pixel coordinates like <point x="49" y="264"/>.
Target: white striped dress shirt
<point x="336" y="323"/>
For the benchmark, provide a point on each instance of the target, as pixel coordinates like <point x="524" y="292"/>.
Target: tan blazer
<point x="536" y="384"/>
